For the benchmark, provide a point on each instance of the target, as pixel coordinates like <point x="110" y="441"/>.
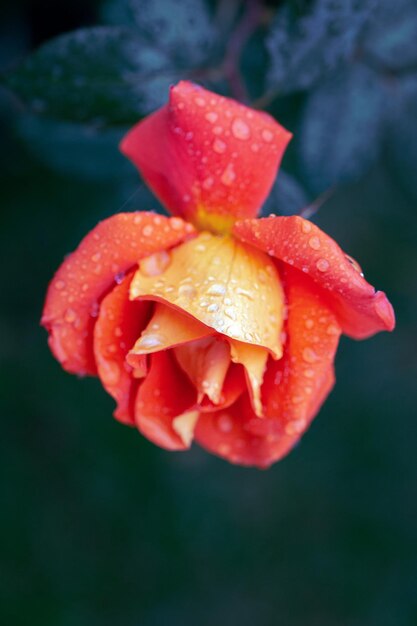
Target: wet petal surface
<point x="119" y="324"/>
<point x="207" y="158"/>
<point x="226" y="285"/>
<point x="111" y="249"/>
<point x="360" y="309"/>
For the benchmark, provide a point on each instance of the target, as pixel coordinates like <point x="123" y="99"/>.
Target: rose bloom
<point x="211" y="325"/>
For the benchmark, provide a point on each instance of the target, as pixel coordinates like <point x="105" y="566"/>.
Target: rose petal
<point x="227" y="286"/>
<point x="360" y="309"/>
<point x="167" y="328"/>
<point x="224" y="433"/>
<point x="165" y="394"/>
<point x="207" y="157"/>
<point x="205" y="362"/>
<point x="253" y="359"/>
<point x="112" y="248"/>
<point x="295" y="386"/>
<point x="119" y="323"/>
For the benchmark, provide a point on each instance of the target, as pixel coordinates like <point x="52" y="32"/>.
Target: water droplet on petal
<point x="228" y="175"/>
<point x="240" y="129"/>
<point x="322" y="265"/>
<point x="219" y="146"/>
<point x="59" y="285"/>
<point x="217" y="290"/>
<point x="314" y="242"/>
<point x="306" y="226"/>
<point x="70" y="316"/>
<point x="211" y="117"/>
<point x="149" y="341"/>
<point x="155" y="264"/>
<point x="267" y="135"/>
<point x="309" y="355"/>
<point x="147" y="230"/>
<point x="225" y="423"/>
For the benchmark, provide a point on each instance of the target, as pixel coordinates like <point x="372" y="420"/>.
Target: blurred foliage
<point x="100" y="527"/>
<point x="352" y="64"/>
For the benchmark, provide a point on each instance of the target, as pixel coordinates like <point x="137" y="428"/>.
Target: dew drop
<point x="225" y="423"/>
<point x="306" y="226"/>
<point x="240" y="129"/>
<point x="187" y="291"/>
<point x="217" y="290"/>
<point x="150" y="341"/>
<point x="267" y="135"/>
<point x="70" y="316"/>
<point x="219" y="146"/>
<point x="309" y="355"/>
<point x="208" y="182"/>
<point x="322" y="265"/>
<point x="211" y="117"/>
<point x="118" y="279"/>
<point x="147" y="230"/>
<point x="176" y="223"/>
<point x="59" y="285"/>
<point x="314" y="242"/>
<point x="155" y="264"/>
<point x="228" y="175"/>
<point x="332" y="329"/>
<point x="200" y="101"/>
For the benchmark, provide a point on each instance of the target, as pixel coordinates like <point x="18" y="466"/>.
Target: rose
<point x="221" y="328"/>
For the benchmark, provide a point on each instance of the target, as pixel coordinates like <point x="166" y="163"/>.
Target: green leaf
<point x="303" y="48"/>
<point x="85" y="152"/>
<point x="181" y="28"/>
<point x="287" y="196"/>
<point x="392" y="36"/>
<point x="107" y="74"/>
<point x="340" y="131"/>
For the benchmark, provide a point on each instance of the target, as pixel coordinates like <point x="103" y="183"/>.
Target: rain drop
<point x="314" y="242"/>
<point x="240" y="129"/>
<point x="322" y="265"/>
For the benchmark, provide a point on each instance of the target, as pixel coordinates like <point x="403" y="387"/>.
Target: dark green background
<point x="100" y="527"/>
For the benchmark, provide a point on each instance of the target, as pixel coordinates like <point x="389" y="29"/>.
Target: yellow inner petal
<point x="206" y="362"/>
<point x="184" y="426"/>
<point x="166" y="329"/>
<point x="225" y="284"/>
<point x="253" y="358"/>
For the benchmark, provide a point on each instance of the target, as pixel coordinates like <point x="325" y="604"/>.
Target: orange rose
<point x="212" y="325"/>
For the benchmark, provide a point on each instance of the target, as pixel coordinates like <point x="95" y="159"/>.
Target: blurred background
<point x="99" y="526"/>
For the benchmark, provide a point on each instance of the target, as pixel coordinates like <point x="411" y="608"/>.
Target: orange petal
<point x="119" y="323"/>
<point x="184" y="426"/>
<point x="205" y="362"/>
<point x="207" y="157"/>
<point x="227" y="285"/>
<point x="164" y="395"/>
<point x="112" y="248"/>
<point x="295" y="387"/>
<point x="233" y="387"/>
<point x="360" y="309"/>
<point x="166" y="329"/>
<point x="224" y="433"/>
<point x="253" y="359"/>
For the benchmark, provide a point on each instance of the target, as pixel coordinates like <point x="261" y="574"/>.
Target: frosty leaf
<point x="304" y="48"/>
<point x="109" y="73"/>
<point x="180" y="28"/>
<point x="341" y="127"/>
<point x="392" y="35"/>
